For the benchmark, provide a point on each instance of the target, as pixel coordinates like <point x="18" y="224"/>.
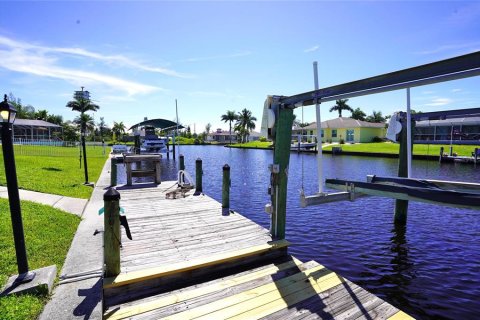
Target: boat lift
<point x="277" y="125"/>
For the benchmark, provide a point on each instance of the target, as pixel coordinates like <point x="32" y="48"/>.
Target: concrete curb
<point x="68" y="204"/>
<point x="79" y="293"/>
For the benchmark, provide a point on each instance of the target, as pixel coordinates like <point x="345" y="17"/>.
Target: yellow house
<point x="348" y="129"/>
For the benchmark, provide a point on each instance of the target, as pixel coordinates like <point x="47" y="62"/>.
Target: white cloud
<point x="456" y="90"/>
<point x="110" y="59"/>
<point x="226" y="56"/>
<point x="439" y="102"/>
<point x="465" y="47"/>
<point x="312" y="49"/>
<point x="42" y="61"/>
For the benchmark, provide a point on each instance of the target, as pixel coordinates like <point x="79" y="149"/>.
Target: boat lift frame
<point x="460" y="67"/>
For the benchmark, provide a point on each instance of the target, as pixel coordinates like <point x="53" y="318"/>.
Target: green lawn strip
<point x="254" y="144"/>
<point x="53" y="173"/>
<point x="48" y="235"/>
<point x="393" y="148"/>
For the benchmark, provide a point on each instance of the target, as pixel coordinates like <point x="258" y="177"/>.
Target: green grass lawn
<point x="253" y="144"/>
<point x="55" y="170"/>
<point x="418" y="149"/>
<point x="48" y="235"/>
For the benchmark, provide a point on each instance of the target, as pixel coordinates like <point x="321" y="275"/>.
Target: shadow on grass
<point x="51" y="169"/>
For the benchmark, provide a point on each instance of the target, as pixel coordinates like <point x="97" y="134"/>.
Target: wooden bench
<point x="155" y="172"/>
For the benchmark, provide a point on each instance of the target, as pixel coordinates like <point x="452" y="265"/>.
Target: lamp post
<point x="7" y="117"/>
<point x="84" y="155"/>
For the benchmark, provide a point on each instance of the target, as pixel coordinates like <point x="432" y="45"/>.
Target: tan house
<point x="348" y="129"/>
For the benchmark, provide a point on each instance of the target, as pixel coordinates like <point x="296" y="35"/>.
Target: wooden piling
<point x="441" y="155"/>
<point x="111" y="235"/>
<point x="401" y="206"/>
<point x="182" y="162"/>
<point x="226" y="187"/>
<point x="198" y="176"/>
<point x="113" y="172"/>
<point x="281" y="157"/>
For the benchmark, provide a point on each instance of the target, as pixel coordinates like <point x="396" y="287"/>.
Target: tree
<point x="118" y="129"/>
<point x="358" y="114"/>
<point x="376" y="116"/>
<point x="41" y="115"/>
<point x="56" y="119"/>
<point x="245" y="124"/>
<point x="86" y="120"/>
<point x="82" y="105"/>
<point x="101" y="125"/>
<point x="69" y="132"/>
<point x="341" y="105"/>
<point x="229" y="117"/>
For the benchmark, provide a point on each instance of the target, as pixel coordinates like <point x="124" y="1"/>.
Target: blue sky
<point x="136" y="58"/>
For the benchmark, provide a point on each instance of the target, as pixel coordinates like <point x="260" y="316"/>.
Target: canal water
<point x="430" y="269"/>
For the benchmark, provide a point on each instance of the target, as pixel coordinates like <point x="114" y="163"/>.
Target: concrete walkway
<point x="68" y="204"/>
<point x="78" y="294"/>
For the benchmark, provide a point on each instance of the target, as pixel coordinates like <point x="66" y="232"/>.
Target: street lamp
<point x="7" y="117"/>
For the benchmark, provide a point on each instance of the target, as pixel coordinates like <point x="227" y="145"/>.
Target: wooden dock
<point x="190" y="259"/>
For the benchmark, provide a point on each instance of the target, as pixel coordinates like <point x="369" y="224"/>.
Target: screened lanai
<point x="455" y="130"/>
<point x="27" y="129"/>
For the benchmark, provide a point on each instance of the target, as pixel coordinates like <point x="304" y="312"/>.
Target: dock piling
<point x="198" y="176"/>
<point x="401" y="206"/>
<point x="111" y="235"/>
<point x="182" y="162"/>
<point x="226" y="187"/>
<point x="441" y="154"/>
<point x="113" y="172"/>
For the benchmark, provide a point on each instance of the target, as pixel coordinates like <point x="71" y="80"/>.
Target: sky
<point x="137" y="58"/>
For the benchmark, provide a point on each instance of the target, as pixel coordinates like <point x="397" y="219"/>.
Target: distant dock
<point x="189" y="258"/>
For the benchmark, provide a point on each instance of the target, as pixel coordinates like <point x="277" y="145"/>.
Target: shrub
<point x="262" y="139"/>
<point x="342" y="141"/>
<point x="377" y="139"/>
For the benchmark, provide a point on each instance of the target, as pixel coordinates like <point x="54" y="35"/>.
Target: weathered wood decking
<point x="191" y="259"/>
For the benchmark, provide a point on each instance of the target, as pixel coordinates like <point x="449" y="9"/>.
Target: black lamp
<point x="7" y="117"/>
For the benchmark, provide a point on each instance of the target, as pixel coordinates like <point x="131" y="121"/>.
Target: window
<point x="334" y="133"/>
<point x="322" y="132"/>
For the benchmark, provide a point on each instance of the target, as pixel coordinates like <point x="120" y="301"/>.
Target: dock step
<point x="277" y="291"/>
<point x="151" y="273"/>
<point x="134" y="285"/>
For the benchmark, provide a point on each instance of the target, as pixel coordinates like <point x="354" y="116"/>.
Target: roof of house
<point x="34" y="123"/>
<point x="449" y="122"/>
<point x="343" y="122"/>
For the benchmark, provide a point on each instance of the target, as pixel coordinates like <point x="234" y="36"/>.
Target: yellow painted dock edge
<point x="157" y="272"/>
<point x="130" y="311"/>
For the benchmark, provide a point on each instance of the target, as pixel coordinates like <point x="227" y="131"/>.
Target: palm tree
<point x="341" y="104"/>
<point x="376" y="117"/>
<point x="229" y="117"/>
<point x="86" y="120"/>
<point x="245" y="124"/>
<point x="82" y="105"/>
<point x="358" y="114"/>
<point x="118" y="128"/>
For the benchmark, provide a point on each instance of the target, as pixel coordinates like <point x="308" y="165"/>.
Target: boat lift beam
<point x="445" y="70"/>
<point x="430" y="195"/>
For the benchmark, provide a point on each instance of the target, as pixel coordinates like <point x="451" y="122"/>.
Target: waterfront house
<point x="346" y="129"/>
<point x="221" y="136"/>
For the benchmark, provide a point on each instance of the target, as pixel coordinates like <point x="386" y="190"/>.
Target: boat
<point x="153" y="143"/>
<point x="303" y="146"/>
